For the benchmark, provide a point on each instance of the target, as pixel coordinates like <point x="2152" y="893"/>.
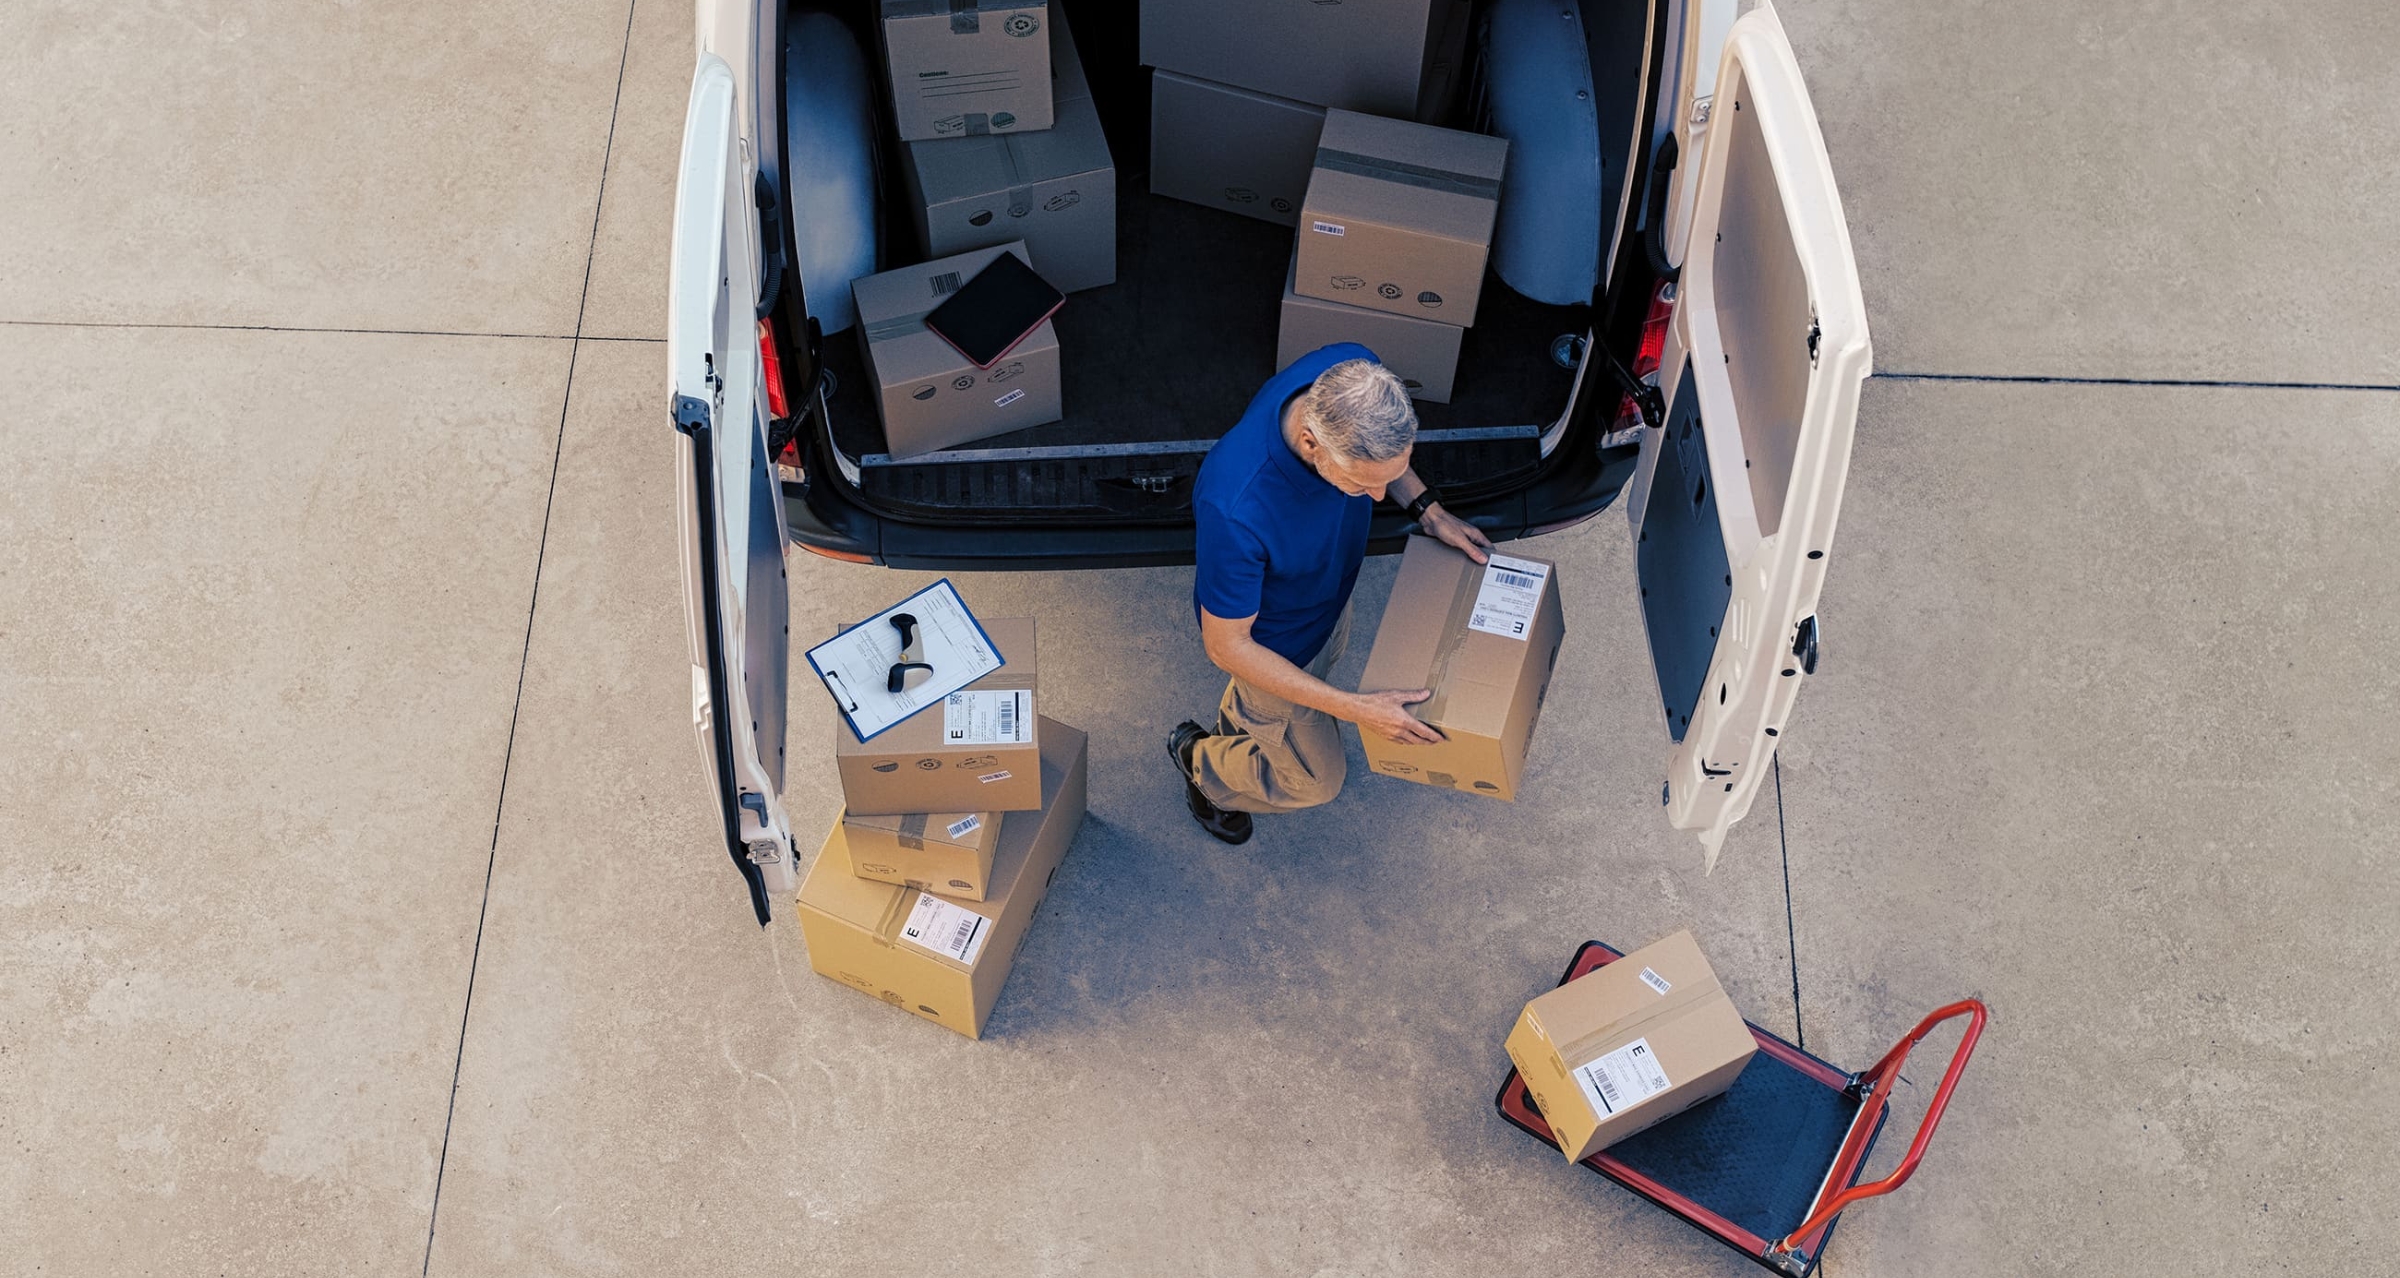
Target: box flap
<point x="1410" y="176"/>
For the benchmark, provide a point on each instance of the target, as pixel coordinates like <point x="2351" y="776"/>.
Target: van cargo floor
<point x="1159" y="364"/>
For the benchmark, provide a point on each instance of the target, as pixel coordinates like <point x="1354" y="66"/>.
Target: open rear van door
<point x="729" y="507"/>
<point x="1734" y="503"/>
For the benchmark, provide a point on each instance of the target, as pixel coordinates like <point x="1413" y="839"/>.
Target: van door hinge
<point x="691" y="414"/>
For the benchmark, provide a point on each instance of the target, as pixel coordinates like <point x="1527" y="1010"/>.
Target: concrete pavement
<point x="306" y="639"/>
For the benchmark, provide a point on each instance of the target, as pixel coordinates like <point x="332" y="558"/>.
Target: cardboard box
<point x="1055" y="191"/>
<point x="946" y="852"/>
<point x="1630" y="1044"/>
<point x="1399" y="216"/>
<point x="1485" y="639"/>
<point x="940" y="958"/>
<point x="931" y="762"/>
<point x="967" y="69"/>
<point x="1233" y="149"/>
<point x="931" y="396"/>
<point x="1362" y="55"/>
<point x="1423" y="352"/>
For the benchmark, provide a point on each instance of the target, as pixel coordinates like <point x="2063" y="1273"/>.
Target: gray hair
<point x="1360" y="411"/>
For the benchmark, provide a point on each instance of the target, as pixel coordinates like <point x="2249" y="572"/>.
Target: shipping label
<point x="964" y="826"/>
<point x="1003" y="717"/>
<point x="1622" y="1079"/>
<point x="1510" y="595"/>
<point x="1655" y="981"/>
<point x="946" y="928"/>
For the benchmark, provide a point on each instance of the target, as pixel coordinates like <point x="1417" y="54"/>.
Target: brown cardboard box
<point x="1623" y="1047"/>
<point x="941" y="958"/>
<point x="1399" y="216"/>
<point x="1363" y="55"/>
<point x="1485" y="640"/>
<point x="1232" y="149"/>
<point x="912" y="767"/>
<point x="1056" y="191"/>
<point x="931" y="396"/>
<point x="965" y="70"/>
<point x="945" y="852"/>
<point x="1423" y="352"/>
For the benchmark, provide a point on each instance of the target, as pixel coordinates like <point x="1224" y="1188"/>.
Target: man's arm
<point x="1384" y="713"/>
<point x="1439" y="523"/>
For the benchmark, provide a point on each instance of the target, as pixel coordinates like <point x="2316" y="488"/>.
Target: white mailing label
<point x="1622" y="1079"/>
<point x="946" y="928"/>
<point x="1655" y="981"/>
<point x="965" y="826"/>
<point x="1328" y="228"/>
<point x="1511" y="593"/>
<point x="988" y="718"/>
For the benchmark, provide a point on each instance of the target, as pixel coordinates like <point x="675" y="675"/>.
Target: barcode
<point x="945" y="284"/>
<point x="1008" y="721"/>
<point x="964" y="932"/>
<point x="1517" y="579"/>
<point x="1608" y="1090"/>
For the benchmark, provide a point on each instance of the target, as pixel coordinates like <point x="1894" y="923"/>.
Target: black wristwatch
<point x="1424" y="502"/>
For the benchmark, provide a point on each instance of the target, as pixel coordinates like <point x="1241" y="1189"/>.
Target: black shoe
<point x="1232" y="827"/>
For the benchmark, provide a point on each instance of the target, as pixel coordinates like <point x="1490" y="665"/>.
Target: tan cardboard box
<point x="931" y="761"/>
<point x="1363" y="55"/>
<point x="945" y="852"/>
<point x="1232" y="149"/>
<point x="1485" y="640"/>
<point x="1625" y="1046"/>
<point x="1399" y="216"/>
<point x="965" y="70"/>
<point x="931" y="396"/>
<point x="940" y="958"/>
<point x="1423" y="352"/>
<point x="1056" y="191"/>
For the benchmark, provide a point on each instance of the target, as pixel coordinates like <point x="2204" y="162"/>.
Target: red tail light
<point x="772" y="363"/>
<point x="1654" y="344"/>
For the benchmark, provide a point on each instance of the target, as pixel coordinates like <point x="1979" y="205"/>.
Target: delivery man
<point x="1281" y="509"/>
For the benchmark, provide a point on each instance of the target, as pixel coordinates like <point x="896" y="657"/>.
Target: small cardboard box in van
<point x="1485" y="639"/>
<point x="1629" y="1044"/>
<point x="935" y="956"/>
<point x="978" y="751"/>
<point x="1361" y="55"/>
<point x="931" y="396"/>
<point x="1055" y="190"/>
<point x="1233" y="149"/>
<point x="1399" y="217"/>
<point x="966" y="70"/>
<point x="1423" y="352"/>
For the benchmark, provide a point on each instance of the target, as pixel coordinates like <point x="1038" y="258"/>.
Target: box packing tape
<point x="1406" y="174"/>
<point x="1454" y="638"/>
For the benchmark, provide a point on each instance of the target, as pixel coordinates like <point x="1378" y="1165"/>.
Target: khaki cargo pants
<point x="1273" y="756"/>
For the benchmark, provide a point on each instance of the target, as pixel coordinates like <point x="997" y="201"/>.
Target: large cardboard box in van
<point x="967" y="69"/>
<point x="1485" y="639"/>
<point x="978" y="751"/>
<point x="941" y="958"/>
<point x="1361" y="55"/>
<point x="945" y="852"/>
<point x="1423" y="352"/>
<point x="1056" y="191"/>
<point x="1399" y="216"/>
<point x="1233" y="149"/>
<point x="1629" y="1044"/>
<point x="931" y="396"/>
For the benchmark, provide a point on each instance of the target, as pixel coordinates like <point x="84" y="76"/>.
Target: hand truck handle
<point x="1878" y="1080"/>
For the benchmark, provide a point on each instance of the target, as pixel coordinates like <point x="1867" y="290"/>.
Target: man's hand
<point x="1455" y="532"/>
<point x="1386" y="715"/>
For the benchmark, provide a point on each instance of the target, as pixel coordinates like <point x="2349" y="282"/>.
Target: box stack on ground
<point x="954" y="822"/>
<point x="1316" y="117"/>
<point x="1003" y="153"/>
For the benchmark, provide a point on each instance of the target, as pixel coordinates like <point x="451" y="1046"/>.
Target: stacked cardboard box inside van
<point x="1003" y="151"/>
<point x="954" y="821"/>
<point x="1319" y="117"/>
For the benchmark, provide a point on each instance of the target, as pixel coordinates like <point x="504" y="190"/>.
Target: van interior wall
<point x="1174" y="349"/>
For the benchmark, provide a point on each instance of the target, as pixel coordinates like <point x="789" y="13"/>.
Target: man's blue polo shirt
<point x="1274" y="539"/>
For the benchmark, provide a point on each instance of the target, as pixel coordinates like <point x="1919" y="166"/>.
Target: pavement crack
<point x="2202" y="383"/>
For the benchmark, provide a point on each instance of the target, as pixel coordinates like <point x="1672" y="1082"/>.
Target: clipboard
<point x="853" y="665"/>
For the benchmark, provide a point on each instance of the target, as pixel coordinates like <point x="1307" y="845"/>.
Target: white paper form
<point x="854" y="666"/>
